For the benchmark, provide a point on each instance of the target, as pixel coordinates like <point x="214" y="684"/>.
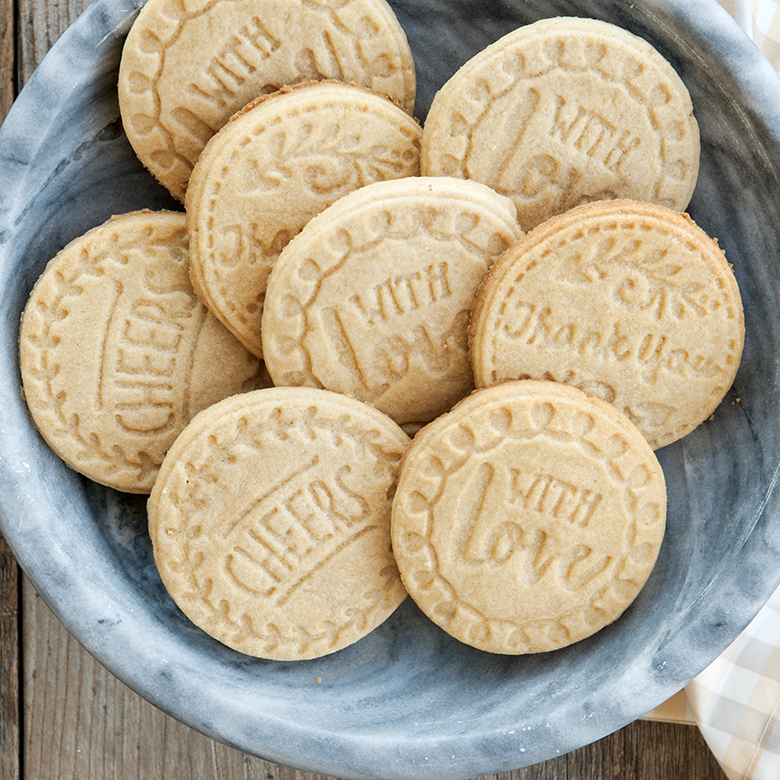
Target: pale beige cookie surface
<point x="270" y="521"/>
<point x="528" y="518"/>
<point x="117" y="353"/>
<point x="566" y="111"/>
<point x="269" y="171"/>
<point x="187" y="67"/>
<point x="372" y="298"/>
<point x="628" y="301"/>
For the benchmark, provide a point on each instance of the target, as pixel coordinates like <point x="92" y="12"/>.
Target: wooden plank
<point x="10" y="635"/>
<point x="646" y="750"/>
<point x="41" y="22"/>
<point x="10" y="756"/>
<point x="10" y="694"/>
<point x="7" y="62"/>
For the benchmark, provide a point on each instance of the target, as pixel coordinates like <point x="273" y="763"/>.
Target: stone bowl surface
<point x="406" y="701"/>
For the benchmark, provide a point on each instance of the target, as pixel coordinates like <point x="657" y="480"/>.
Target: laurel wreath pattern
<point x="178" y="532"/>
<point x="310" y="150"/>
<point x="653" y="417"/>
<point x="70" y="434"/>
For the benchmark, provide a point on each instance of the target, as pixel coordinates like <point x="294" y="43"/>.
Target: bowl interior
<point x="407" y="700"/>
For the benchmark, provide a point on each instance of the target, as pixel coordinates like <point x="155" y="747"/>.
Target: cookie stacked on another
<point x="528" y="518"/>
<point x="629" y="301"/>
<point x="526" y="514"/>
<point x="372" y="299"/>
<point x="187" y="68"/>
<point x="279" y="162"/>
<point x="270" y="521"/>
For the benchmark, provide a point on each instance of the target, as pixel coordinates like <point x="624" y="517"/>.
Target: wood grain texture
<point x="41" y="22"/>
<point x="7" y="57"/>
<point x="10" y="693"/>
<point x="10" y="757"/>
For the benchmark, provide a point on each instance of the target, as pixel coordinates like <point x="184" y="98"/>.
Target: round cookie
<point x="372" y="298"/>
<point x="528" y="518"/>
<point x="117" y="353"/>
<point x="187" y="67"/>
<point x="626" y="300"/>
<point x="276" y="165"/>
<point x="562" y="112"/>
<point x="270" y="521"/>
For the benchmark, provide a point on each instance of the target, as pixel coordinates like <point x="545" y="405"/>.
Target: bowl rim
<point x="282" y="739"/>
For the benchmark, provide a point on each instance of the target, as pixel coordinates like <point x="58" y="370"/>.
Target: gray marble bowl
<point x="406" y="701"/>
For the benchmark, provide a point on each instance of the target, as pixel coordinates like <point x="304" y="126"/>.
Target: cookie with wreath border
<point x="566" y="111"/>
<point x="117" y="354"/>
<point x="270" y="522"/>
<point x="373" y="297"/>
<point x="281" y="161"/>
<point x="624" y="299"/>
<point x="186" y="68"/>
<point x="528" y="518"/>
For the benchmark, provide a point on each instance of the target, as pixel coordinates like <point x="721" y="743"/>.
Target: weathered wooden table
<point x="64" y="717"/>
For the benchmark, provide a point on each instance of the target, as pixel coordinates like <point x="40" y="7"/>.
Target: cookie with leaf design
<point x="187" y="67"/>
<point x="626" y="300"/>
<point x="274" y="166"/>
<point x="270" y="522"/>
<point x="117" y="354"/>
<point x="528" y="518"/>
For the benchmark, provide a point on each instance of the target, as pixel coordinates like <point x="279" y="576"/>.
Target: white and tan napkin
<point x="736" y="700"/>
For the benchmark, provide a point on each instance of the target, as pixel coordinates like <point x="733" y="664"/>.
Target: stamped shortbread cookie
<point x="373" y="297"/>
<point x="269" y="171"/>
<point x="528" y="518"/>
<point x="626" y="300"/>
<point x="566" y="111"/>
<point x="187" y="67"/>
<point x="270" y="521"/>
<point x="118" y="354"/>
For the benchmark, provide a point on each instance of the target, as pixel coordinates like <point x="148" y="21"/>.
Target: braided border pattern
<point x="146" y="59"/>
<point x="415" y="515"/>
<point x="481" y="234"/>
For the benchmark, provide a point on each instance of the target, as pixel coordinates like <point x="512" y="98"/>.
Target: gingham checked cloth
<point x="736" y="700"/>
